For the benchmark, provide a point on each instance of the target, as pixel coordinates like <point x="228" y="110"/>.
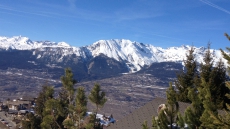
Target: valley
<point x="125" y="92"/>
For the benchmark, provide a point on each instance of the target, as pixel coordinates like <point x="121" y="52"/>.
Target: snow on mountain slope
<point x="139" y="54"/>
<point x="24" y="43"/>
<point x="134" y="54"/>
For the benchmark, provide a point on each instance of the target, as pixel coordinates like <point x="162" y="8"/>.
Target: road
<point x="8" y="119"/>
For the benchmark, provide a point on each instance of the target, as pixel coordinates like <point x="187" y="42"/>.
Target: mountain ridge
<point x="136" y="55"/>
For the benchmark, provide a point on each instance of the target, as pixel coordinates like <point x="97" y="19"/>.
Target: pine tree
<point x="155" y="123"/>
<point x="222" y="121"/>
<point x="68" y="91"/>
<point x="45" y="94"/>
<point x="217" y="85"/>
<point x="52" y="112"/>
<point x="172" y="106"/>
<point x="185" y="79"/>
<point x="97" y="97"/>
<point x="180" y="121"/>
<point x="214" y="77"/>
<point x="168" y="115"/>
<point x="206" y="68"/>
<point x="31" y="122"/>
<point x="209" y="106"/>
<point x="195" y="111"/>
<point x="81" y="105"/>
<point x="68" y="84"/>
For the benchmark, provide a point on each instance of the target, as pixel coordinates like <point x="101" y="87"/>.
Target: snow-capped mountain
<point x="134" y="55"/>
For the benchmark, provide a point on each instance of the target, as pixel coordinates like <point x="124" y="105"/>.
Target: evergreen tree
<point x="52" y="112"/>
<point x="45" y="94"/>
<point x="214" y="77"/>
<point x="180" y="121"/>
<point x="68" y="84"/>
<point x="81" y="105"/>
<point x="209" y="106"/>
<point x="206" y="68"/>
<point x="155" y="123"/>
<point x="32" y="122"/>
<point x="185" y="79"/>
<point x="68" y="91"/>
<point x="217" y="85"/>
<point x="97" y="97"/>
<point x="168" y="115"/>
<point x="195" y="111"/>
<point x="222" y="121"/>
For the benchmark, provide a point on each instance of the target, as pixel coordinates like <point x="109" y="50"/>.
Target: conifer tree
<point x="68" y="91"/>
<point x="180" y="121"/>
<point x="68" y="84"/>
<point x="80" y="105"/>
<point x="185" y="79"/>
<point x="195" y="111"/>
<point x="214" y="77"/>
<point x="168" y="115"/>
<point x="206" y="68"/>
<point x="222" y="121"/>
<point x="32" y="122"/>
<point x="45" y="94"/>
<point x="155" y="124"/>
<point x="209" y="106"/>
<point x="97" y="97"/>
<point x="217" y="85"/>
<point x="52" y="112"/>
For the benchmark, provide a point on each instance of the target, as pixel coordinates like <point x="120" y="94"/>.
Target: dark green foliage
<point x="214" y="77"/>
<point x="193" y="112"/>
<point x="217" y="85"/>
<point x="206" y="68"/>
<point x="46" y="94"/>
<point x="162" y="120"/>
<point x="168" y="114"/>
<point x="172" y="106"/>
<point x="145" y="125"/>
<point x="97" y="97"/>
<point x="68" y="83"/>
<point x="80" y="105"/>
<point x="68" y="92"/>
<point x="155" y="124"/>
<point x="222" y="121"/>
<point x="53" y="110"/>
<point x="32" y="122"/>
<point x="185" y="79"/>
<point x="208" y="105"/>
<point x="180" y="121"/>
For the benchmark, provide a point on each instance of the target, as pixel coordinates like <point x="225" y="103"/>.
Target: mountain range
<point x="104" y="58"/>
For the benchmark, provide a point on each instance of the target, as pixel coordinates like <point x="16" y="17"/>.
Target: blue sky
<point x="162" y="23"/>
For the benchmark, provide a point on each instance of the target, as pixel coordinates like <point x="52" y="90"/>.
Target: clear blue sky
<point x="162" y="23"/>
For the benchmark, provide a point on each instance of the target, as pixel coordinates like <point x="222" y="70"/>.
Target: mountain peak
<point x="63" y="44"/>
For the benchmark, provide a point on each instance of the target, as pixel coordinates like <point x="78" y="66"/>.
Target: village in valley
<point x="13" y="111"/>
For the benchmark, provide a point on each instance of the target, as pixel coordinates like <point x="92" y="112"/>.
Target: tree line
<point x="206" y="87"/>
<point x="68" y="109"/>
